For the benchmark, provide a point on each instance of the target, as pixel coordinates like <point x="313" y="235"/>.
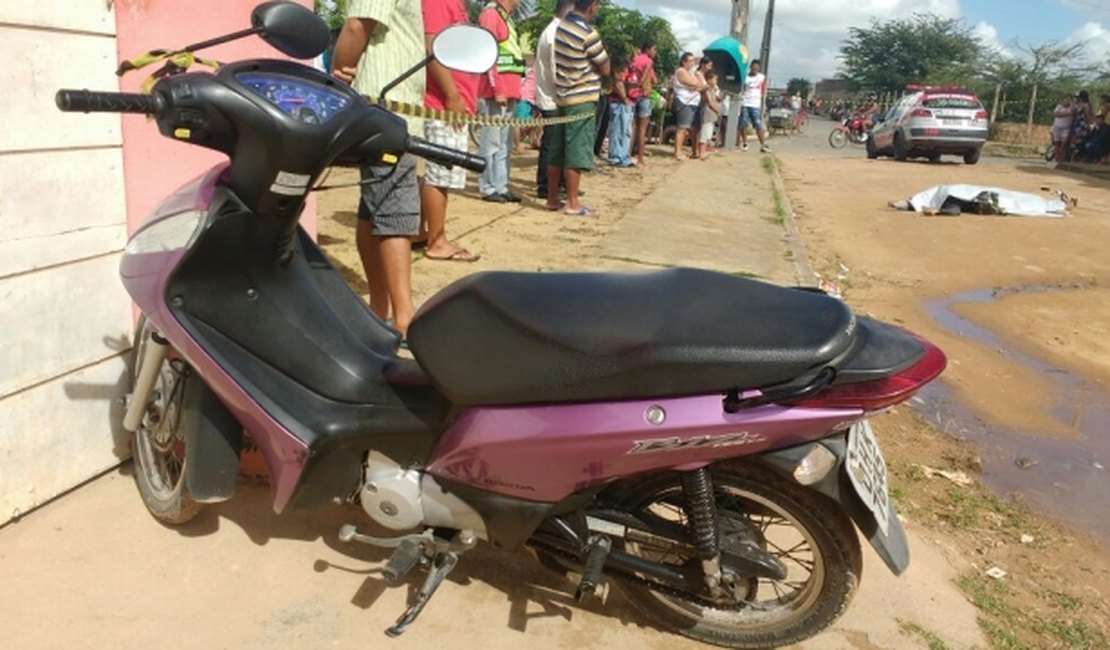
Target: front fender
<point x="892" y="546"/>
<point x="213" y="439"/>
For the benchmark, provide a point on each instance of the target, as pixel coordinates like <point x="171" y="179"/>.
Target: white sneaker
<point x="744" y="147"/>
<point x="765" y="149"/>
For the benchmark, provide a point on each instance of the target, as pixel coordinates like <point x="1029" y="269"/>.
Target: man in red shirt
<point x="456" y="92"/>
<point x="498" y="93"/>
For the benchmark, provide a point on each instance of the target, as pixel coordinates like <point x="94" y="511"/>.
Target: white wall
<point x="64" y="316"/>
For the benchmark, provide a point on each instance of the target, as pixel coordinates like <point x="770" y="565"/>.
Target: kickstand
<point x="441" y="566"/>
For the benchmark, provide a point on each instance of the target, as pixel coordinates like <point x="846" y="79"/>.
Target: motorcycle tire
<point x="158" y="446"/>
<point x="1050" y="152"/>
<point x="784" y="519"/>
<point x="838" y="139"/>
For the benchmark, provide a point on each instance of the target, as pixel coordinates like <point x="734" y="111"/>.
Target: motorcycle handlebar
<point x="91" y="101"/>
<point x="444" y="155"/>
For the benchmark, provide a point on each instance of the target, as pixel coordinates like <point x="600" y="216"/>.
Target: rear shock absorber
<point x="697" y="488"/>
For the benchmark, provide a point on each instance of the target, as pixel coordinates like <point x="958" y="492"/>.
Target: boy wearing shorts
<point x="380" y="40"/>
<point x="455" y="92"/>
<point x="580" y="62"/>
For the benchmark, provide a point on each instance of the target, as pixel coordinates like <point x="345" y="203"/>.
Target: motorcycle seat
<point x="515" y="338"/>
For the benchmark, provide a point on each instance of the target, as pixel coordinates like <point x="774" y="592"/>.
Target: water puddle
<point x="1065" y="479"/>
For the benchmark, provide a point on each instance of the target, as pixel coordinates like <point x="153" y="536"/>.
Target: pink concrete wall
<point x="153" y="165"/>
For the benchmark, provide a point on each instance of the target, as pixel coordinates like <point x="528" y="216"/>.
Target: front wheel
<point x="900" y="150"/>
<point x="838" y="139"/>
<point x="805" y="531"/>
<point x="159" y="443"/>
<point x="872" y="152"/>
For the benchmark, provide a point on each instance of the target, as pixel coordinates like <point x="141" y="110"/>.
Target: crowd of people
<point x="1080" y="132"/>
<point x="404" y="206"/>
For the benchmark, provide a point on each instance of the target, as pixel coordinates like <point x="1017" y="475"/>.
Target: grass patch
<point x="1008" y="626"/>
<point x="932" y="641"/>
<point x="779" y="217"/>
<point x="973" y="508"/>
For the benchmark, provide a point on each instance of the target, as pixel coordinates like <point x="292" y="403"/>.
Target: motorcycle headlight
<point x="174" y="232"/>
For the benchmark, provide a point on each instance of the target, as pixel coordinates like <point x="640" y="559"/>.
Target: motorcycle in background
<point x="701" y="439"/>
<point x="850" y="131"/>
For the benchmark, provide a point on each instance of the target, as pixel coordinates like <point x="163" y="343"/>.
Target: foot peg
<point x="404" y="558"/>
<point x="441" y="567"/>
<point x="409" y="550"/>
<point x="597" y="551"/>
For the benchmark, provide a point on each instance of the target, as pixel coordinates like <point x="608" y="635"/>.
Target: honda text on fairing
<point x="700" y="439"/>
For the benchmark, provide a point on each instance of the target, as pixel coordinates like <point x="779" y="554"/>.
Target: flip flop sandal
<point x="461" y="255"/>
<point x="581" y="212"/>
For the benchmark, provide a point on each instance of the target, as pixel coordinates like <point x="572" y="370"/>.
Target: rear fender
<point x="891" y="546"/>
<point x="213" y="440"/>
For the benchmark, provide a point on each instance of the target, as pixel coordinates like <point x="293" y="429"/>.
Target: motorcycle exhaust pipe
<point x="154" y="353"/>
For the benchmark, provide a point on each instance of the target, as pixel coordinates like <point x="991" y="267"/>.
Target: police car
<point x="931" y="121"/>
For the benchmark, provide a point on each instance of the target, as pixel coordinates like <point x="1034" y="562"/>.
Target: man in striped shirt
<point x="380" y="40"/>
<point x="580" y="62"/>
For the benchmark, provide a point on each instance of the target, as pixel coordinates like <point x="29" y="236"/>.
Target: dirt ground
<point x="897" y="266"/>
<point x="1040" y="314"/>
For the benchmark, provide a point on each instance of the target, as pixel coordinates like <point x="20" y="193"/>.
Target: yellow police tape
<point x="416" y="110"/>
<point x="180" y="61"/>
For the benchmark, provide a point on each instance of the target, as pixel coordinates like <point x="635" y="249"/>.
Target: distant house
<point x="831" y="89"/>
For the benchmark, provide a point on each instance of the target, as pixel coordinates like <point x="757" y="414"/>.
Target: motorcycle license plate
<point x="867" y="472"/>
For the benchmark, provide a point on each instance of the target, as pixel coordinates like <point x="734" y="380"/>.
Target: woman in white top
<point x="687" y="96"/>
<point x="1062" y="117"/>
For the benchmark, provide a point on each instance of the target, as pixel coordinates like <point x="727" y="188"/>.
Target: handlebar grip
<point x="445" y="155"/>
<point x="91" y="101"/>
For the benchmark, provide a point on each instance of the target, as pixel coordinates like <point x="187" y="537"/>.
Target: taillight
<point x="921" y="112"/>
<point x="981" y="115"/>
<point x="888" y="391"/>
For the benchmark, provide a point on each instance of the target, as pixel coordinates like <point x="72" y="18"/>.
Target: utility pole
<point x="765" y="49"/>
<point x="740" y="10"/>
<point x="739" y="31"/>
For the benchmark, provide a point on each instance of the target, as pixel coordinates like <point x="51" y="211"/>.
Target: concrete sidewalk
<point x="717" y="214"/>
<point x="93" y="569"/>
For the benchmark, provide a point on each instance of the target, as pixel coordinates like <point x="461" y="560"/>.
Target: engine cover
<point x="391" y="494"/>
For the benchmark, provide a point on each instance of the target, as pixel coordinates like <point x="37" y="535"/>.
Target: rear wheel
<point x="159" y="444"/>
<point x="971" y="157"/>
<point x="838" y="139"/>
<point x="808" y="533"/>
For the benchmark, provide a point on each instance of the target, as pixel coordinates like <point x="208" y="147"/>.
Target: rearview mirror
<point x="292" y="29"/>
<point x="466" y="48"/>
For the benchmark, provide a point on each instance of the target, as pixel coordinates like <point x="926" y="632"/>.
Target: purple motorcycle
<point x="699" y="439"/>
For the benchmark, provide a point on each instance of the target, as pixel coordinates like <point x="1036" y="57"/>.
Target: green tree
<point x="622" y="31"/>
<point x="926" y="48"/>
<point x="334" y="12"/>
<point x="800" y="86"/>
